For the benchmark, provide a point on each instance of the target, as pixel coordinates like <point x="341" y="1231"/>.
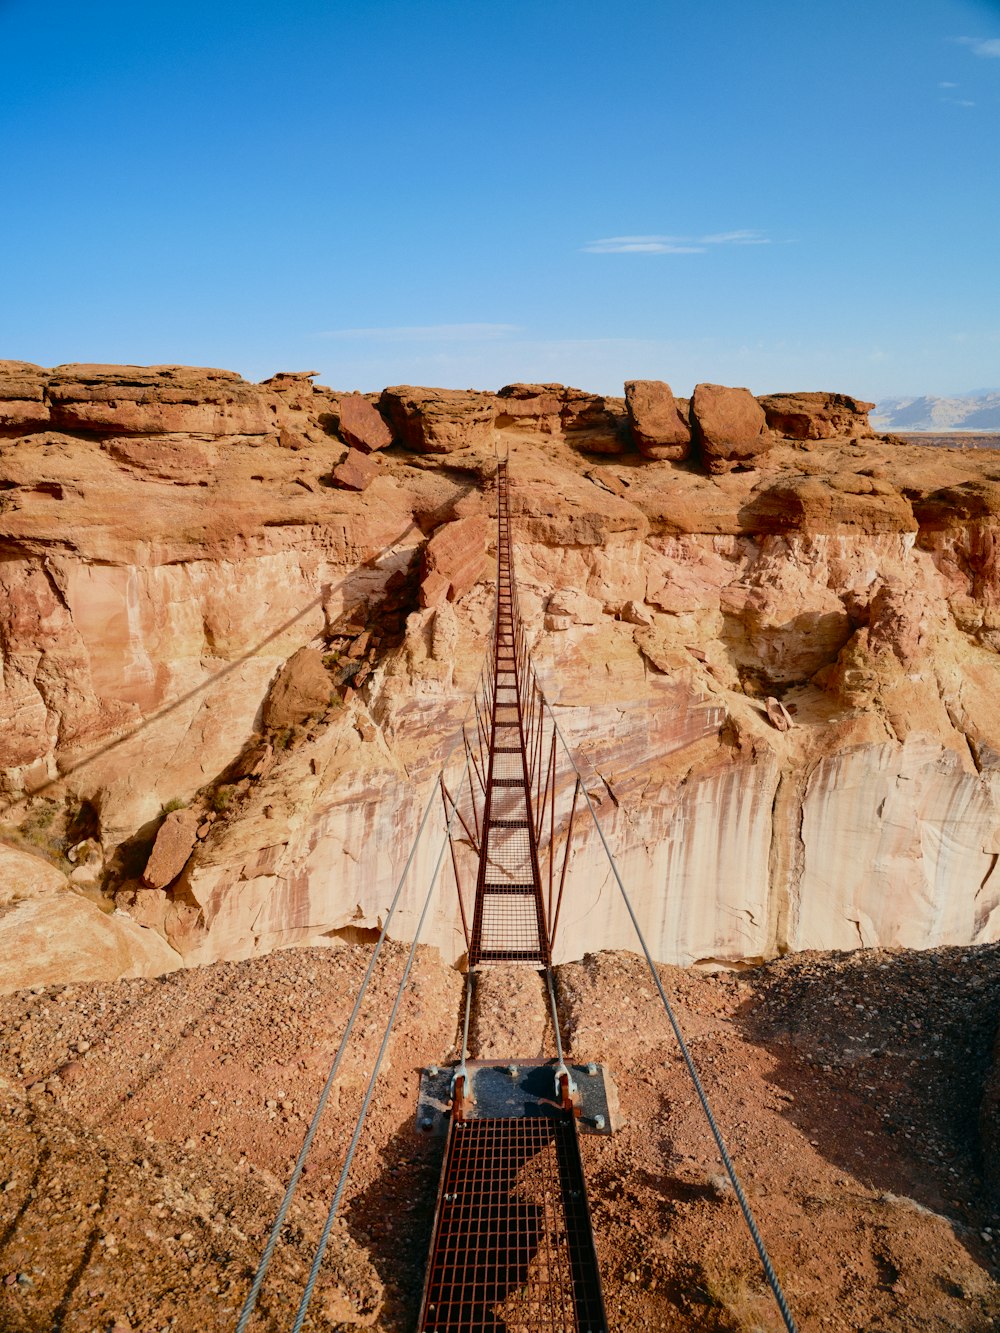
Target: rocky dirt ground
<point x="150" y="1126"/>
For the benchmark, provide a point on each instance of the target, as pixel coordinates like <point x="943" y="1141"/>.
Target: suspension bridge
<point x="512" y="1248"/>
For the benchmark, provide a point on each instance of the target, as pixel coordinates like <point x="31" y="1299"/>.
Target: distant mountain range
<point x="977" y="410"/>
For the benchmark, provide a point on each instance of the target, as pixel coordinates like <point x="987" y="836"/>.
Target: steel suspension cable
<point x="265" y="1260"/>
<point x="748" y="1217"/>
<point x="363" y="1114"/>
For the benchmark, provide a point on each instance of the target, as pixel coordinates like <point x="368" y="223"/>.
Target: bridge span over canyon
<point x="513" y="1248"/>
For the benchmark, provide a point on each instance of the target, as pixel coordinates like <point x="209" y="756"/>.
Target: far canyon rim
<point x="239" y="624"/>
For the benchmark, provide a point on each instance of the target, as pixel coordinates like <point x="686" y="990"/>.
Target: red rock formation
<point x="596" y="424"/>
<point x="22" y="396"/>
<point x="819" y="503"/>
<point x="816" y="416"/>
<point x="729" y="427"/>
<point x="531" y="407"/>
<point x="153" y="400"/>
<point x="155" y="583"/>
<point x="305" y="413"/>
<point x="356" y="472"/>
<point x="659" y="421"/>
<point x="454" y="560"/>
<point x="438" y="421"/>
<point x="174" y="844"/>
<point x="361" y="425"/>
<point x="590" y="422"/>
<point x="303" y="689"/>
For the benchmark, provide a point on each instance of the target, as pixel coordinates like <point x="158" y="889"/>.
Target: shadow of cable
<point x="326" y="593"/>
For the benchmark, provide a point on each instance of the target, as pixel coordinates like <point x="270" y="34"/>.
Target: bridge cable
<point x="363" y="1114"/>
<point x="748" y="1217"/>
<point x="279" y="1221"/>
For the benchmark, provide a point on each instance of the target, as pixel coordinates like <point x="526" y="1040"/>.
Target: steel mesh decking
<point x="508" y="923"/>
<point x="513" y="1250"/>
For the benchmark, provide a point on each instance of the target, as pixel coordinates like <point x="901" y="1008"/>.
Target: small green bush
<point x="222" y="798"/>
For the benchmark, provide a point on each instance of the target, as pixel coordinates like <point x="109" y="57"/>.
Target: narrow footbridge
<point x="513" y="1249"/>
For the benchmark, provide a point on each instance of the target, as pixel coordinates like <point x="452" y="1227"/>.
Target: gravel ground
<point x="150" y="1127"/>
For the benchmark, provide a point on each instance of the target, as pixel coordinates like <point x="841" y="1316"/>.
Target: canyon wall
<point x="239" y="627"/>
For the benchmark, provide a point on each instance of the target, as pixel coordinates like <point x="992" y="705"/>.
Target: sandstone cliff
<point x="238" y="629"/>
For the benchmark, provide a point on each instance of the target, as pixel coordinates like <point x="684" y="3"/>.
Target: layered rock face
<point x="590" y="422"/>
<point x="817" y="416"/>
<point x="776" y="659"/>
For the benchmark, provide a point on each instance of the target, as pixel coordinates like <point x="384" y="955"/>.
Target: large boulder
<point x="22" y="396"/>
<point x="659" y="422"/>
<point x="729" y="426"/>
<point x="438" y="421"/>
<point x="174" y="843"/>
<point x="302" y="689"/>
<point x="66" y="938"/>
<point x="50" y="934"/>
<point x="454" y="559"/>
<point x="816" y="416"/>
<point x="356" y="472"/>
<point x="157" y="400"/>
<point x="362" y="425"/>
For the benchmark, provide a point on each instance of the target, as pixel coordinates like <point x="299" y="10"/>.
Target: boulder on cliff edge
<point x="362" y="425"/>
<point x="817" y="416"/>
<point x="437" y="421"/>
<point x="729" y="426"/>
<point x="174" y="844"/>
<point x="659" y="421"/>
<point x="454" y="560"/>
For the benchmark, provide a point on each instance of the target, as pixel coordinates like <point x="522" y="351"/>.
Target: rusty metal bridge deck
<point x="513" y="1249"/>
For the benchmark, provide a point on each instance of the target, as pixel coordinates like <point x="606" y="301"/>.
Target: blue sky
<point x="465" y="193"/>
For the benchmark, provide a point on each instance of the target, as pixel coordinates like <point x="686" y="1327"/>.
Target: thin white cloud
<point x="672" y="245"/>
<point x="425" y="332"/>
<point x="957" y="101"/>
<point x="945" y="84"/>
<point x="737" y="238"/>
<point x="642" y="245"/>
<point x="981" y="46"/>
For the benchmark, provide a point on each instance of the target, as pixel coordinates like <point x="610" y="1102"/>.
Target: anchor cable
<point x="363" y="1114"/>
<point x="265" y="1260"/>
<point x="748" y="1217"/>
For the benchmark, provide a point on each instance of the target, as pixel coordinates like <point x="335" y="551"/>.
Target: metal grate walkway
<point x="513" y="1250"/>
<point x="509" y="924"/>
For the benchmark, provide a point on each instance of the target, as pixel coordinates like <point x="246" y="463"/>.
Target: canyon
<point x="240" y="624"/>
